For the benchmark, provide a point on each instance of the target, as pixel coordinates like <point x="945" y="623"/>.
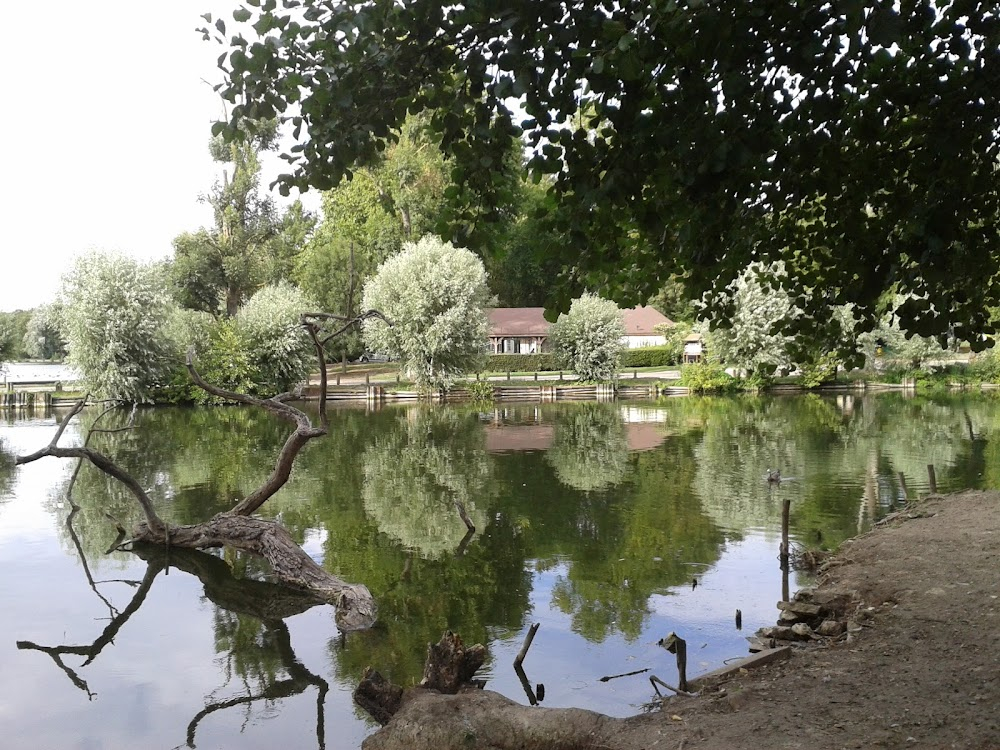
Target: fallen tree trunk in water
<point x="291" y="565"/>
<point x="237" y="528"/>
<point x="488" y="721"/>
<point x="448" y="712"/>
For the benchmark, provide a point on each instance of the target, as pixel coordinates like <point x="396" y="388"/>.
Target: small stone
<point x="801" y="630"/>
<point x="830" y="628"/>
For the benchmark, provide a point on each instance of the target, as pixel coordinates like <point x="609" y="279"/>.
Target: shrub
<point x="435" y="294"/>
<point x="650" y="356"/>
<point x="521" y="363"/>
<point x="703" y="377"/>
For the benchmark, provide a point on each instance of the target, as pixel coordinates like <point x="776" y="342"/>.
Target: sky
<point x="104" y="134"/>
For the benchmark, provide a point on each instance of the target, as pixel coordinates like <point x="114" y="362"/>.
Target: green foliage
<point x="523" y="262"/>
<point x="217" y="268"/>
<point x="588" y="338"/>
<point x="986" y="366"/>
<point x="225" y="362"/>
<point x="705" y="377"/>
<point x="13" y="326"/>
<point x="674" y="301"/>
<point x="43" y="338"/>
<point x="481" y="391"/>
<point x="760" y="313"/>
<point x="278" y="348"/>
<point x="651" y="356"/>
<point x="115" y="313"/>
<point x="889" y="345"/>
<point x="435" y="295"/>
<point x="543" y="362"/>
<point x="683" y="139"/>
<point x="819" y="371"/>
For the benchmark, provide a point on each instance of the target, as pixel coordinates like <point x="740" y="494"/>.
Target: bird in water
<point x="773" y="476"/>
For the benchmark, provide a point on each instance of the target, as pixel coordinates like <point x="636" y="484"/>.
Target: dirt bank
<point x="919" y="669"/>
<point x="923" y="670"/>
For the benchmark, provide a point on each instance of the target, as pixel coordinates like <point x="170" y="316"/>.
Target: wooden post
<point x="560" y="374"/>
<point x="367" y="378"/>
<point x="678" y="646"/>
<point x="526" y="645"/>
<point x="536" y="377"/>
<point x="932" y="479"/>
<point x="902" y="486"/>
<point x="508" y="375"/>
<point x="635" y="374"/>
<point x="338" y="378"/>
<point x="783" y="553"/>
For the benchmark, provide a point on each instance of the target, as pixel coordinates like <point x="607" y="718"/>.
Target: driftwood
<point x="236" y="528"/>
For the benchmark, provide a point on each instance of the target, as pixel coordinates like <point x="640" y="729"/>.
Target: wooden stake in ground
<point x="932" y="479"/>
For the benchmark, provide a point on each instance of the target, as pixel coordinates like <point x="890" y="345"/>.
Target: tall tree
<point x="215" y="269"/>
<point x="43" y="337"/>
<point x="715" y="129"/>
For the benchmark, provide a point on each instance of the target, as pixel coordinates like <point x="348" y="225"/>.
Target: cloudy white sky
<point x="103" y="136"/>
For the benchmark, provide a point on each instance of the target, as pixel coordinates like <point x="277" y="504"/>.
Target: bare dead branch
<point x="99" y="460"/>
<point x="304" y="432"/>
<point x="349" y="322"/>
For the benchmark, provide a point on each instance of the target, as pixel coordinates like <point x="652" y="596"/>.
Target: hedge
<point x="649" y="356"/>
<point x="521" y="362"/>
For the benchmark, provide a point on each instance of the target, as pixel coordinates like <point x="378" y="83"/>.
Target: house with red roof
<point x="524" y="330"/>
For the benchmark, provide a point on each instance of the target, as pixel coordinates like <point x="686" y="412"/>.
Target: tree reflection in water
<point x="250" y="628"/>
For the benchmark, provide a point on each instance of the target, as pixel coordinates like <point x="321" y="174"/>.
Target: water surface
<point x="610" y="524"/>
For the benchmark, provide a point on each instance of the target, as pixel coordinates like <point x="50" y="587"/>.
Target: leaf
<point x="242" y="15"/>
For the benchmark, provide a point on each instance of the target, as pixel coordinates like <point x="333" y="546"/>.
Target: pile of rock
<point x="811" y="615"/>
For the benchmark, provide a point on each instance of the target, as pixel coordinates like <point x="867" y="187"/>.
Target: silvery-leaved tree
<point x="588" y="338"/>
<point x="115" y="312"/>
<point x="759" y="309"/>
<point x="436" y="295"/>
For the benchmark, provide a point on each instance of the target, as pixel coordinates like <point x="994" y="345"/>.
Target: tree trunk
<point x="446" y="711"/>
<point x="356" y="609"/>
<point x="488" y="721"/>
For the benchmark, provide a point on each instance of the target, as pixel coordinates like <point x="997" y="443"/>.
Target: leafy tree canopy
<point x="115" y="313"/>
<point x="435" y="294"/>
<point x="856" y="139"/>
<point x="43" y="338"/>
<point x="216" y="269"/>
<point x="589" y="338"/>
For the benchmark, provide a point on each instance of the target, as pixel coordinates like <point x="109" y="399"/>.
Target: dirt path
<point x="921" y="670"/>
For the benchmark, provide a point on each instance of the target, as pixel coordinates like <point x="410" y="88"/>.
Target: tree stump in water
<point x="449" y="667"/>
